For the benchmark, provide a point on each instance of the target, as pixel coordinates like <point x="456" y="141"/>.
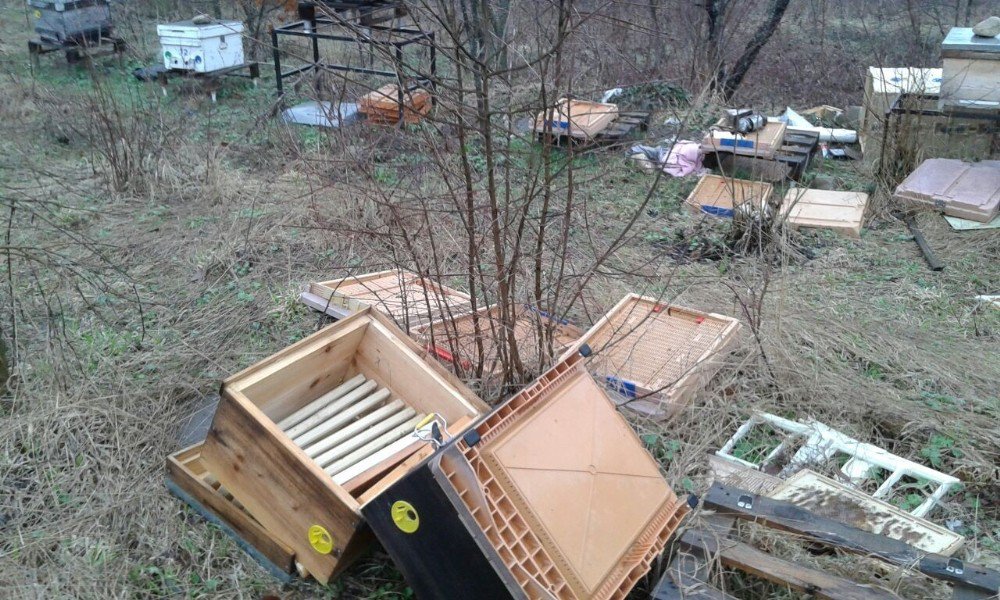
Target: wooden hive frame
<point x="722" y="196"/>
<point x="382" y="105"/>
<point x="408" y="298"/>
<point x="298" y="439"/>
<point x="843" y="212"/>
<point x="648" y="348"/>
<point x="454" y="341"/>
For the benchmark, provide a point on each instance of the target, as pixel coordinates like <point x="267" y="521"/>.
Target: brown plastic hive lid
<point x="576" y="506"/>
<point x="960" y="189"/>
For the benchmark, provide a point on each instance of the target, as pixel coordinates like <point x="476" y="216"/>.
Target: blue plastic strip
<point x="736" y="143"/>
<point x="622" y="386"/>
<point x="718" y="211"/>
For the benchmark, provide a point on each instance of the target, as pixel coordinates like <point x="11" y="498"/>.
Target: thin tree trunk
<point x="756" y="44"/>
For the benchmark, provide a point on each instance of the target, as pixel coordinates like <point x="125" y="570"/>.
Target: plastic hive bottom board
<point x="959" y="189"/>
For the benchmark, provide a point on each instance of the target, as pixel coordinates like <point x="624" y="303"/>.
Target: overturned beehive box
<point x="956" y="188"/>
<point x="389" y="103"/>
<point x="456" y="341"/>
<point x="409" y="299"/>
<point x="723" y="196"/>
<point x="552" y="496"/>
<point x="300" y="437"/>
<point x="665" y="353"/>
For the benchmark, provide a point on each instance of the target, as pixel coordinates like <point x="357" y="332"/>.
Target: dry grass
<point x="862" y="337"/>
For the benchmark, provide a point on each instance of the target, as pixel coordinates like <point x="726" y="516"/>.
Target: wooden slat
<point x="370" y="434"/>
<point x="381" y="442"/>
<point x="796" y="576"/>
<point x="331" y="410"/>
<point x="314" y="406"/>
<point x="789" y="517"/>
<point x="342" y="418"/>
<point x="242" y="523"/>
<point x="338" y="437"/>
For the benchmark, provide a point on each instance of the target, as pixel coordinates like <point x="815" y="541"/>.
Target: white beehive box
<point x="201" y="48"/>
<point x="971" y="76"/>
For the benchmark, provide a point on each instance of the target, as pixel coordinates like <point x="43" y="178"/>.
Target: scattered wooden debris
<point x="498" y="498"/>
<point x="970" y="581"/>
<point x="842" y="212"/>
<point x="956" y="188"/>
<point x="278" y="420"/>
<point x="388" y="104"/>
<point x="722" y="196"/>
<point x="918" y="237"/>
<point x="762" y="143"/>
<point x="824" y="496"/>
<point x="643" y="347"/>
<point x="792" y="446"/>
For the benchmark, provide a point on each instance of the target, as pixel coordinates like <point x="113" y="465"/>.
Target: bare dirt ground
<point x="125" y="305"/>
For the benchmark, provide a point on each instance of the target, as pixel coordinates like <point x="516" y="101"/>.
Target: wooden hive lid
<point x="719" y="195"/>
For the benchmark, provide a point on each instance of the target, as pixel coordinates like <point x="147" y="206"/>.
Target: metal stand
<point x="316" y="28"/>
<point x="211" y="80"/>
<point x="77" y="51"/>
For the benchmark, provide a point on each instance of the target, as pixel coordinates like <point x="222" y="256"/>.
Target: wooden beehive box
<point x="956" y="188"/>
<point x="382" y="105"/>
<point x="576" y="118"/>
<point x="971" y="73"/>
<point x="883" y="86"/>
<point x="299" y="437"/>
<point x="647" y="348"/>
<point x="722" y="196"/>
<point x="456" y="340"/>
<point x="843" y="212"/>
<point x="552" y="496"/>
<point x="409" y="299"/>
<point x="762" y="143"/>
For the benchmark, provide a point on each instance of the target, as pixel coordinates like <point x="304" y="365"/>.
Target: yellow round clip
<point x="320" y="539"/>
<point x="405" y="516"/>
<point x="38" y="14"/>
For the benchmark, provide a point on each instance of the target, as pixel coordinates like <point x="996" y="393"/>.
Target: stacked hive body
<point x="383" y="105"/>
<point x="971" y="74"/>
<point x="300" y="437"/>
<point x="455" y="340"/>
<point x="410" y="300"/>
<point x="645" y="347"/>
<point x="71" y="22"/>
<point x="551" y="496"/>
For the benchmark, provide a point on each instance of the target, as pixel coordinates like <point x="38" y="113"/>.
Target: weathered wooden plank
<point x="796" y="576"/>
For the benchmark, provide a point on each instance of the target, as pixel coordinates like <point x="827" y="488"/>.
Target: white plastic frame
<point x="823" y="442"/>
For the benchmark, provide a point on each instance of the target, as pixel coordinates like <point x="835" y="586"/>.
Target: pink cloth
<point x="684" y="159"/>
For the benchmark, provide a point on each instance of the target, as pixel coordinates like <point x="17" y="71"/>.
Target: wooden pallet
<point x="623" y="128"/>
<point x="790" y="161"/>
